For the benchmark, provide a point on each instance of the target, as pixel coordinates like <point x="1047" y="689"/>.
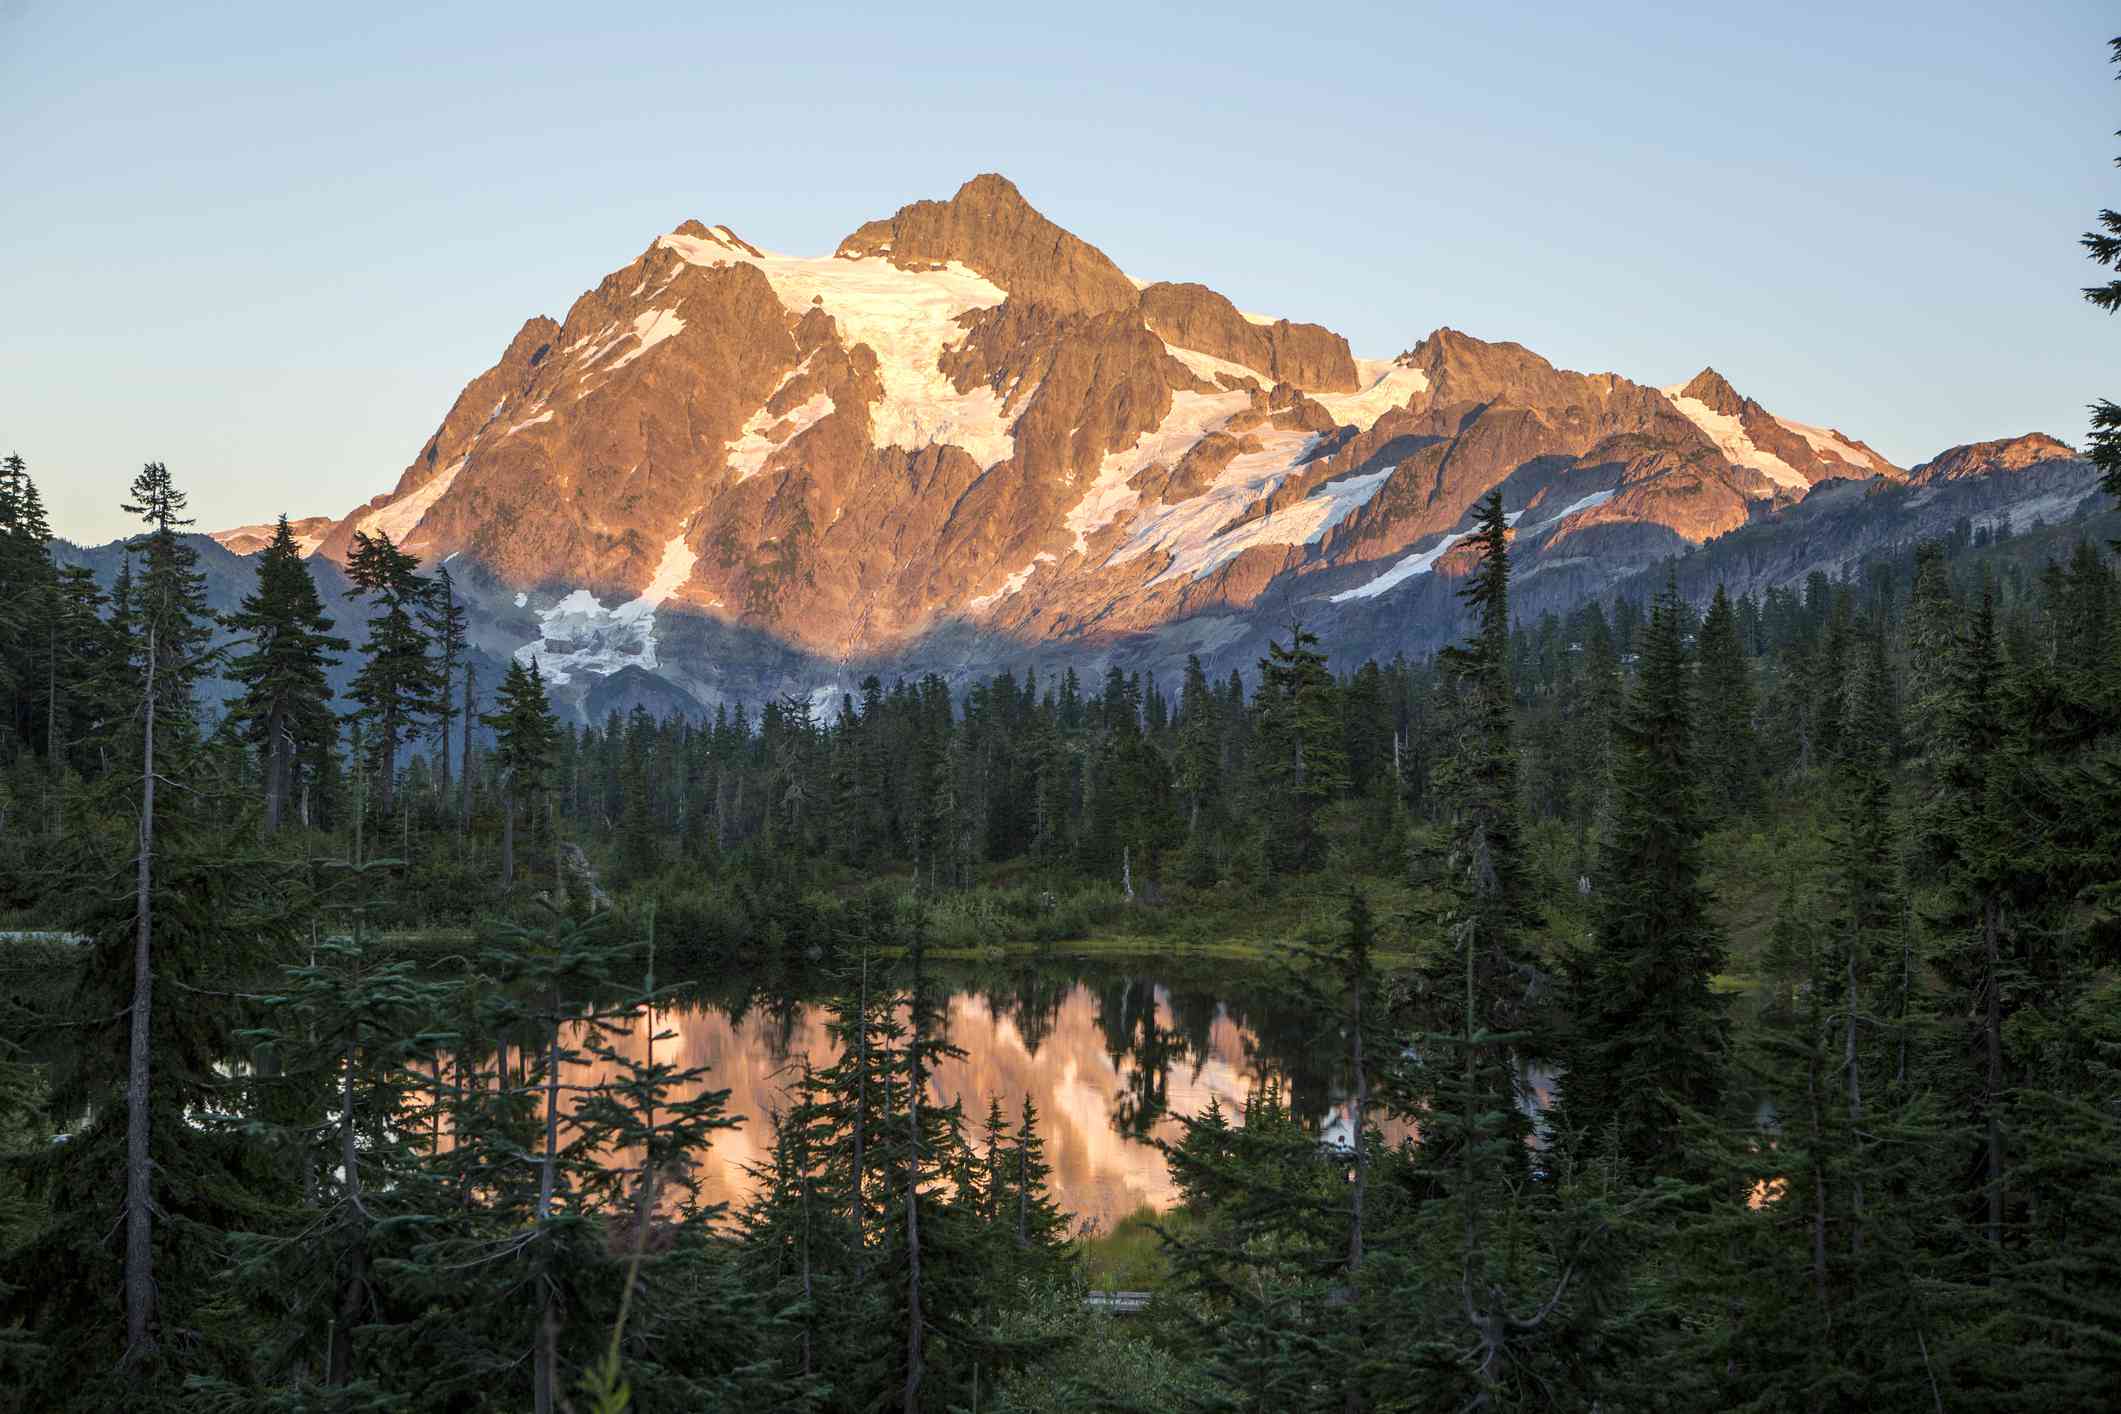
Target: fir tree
<point x="1729" y="748"/>
<point x="2104" y="247"/>
<point x="524" y="732"/>
<point x="1489" y="906"/>
<point x="446" y="624"/>
<point x="1647" y="1033"/>
<point x="1301" y="758"/>
<point x="396" y="690"/>
<point x="285" y="710"/>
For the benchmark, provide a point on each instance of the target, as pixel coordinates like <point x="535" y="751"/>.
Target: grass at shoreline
<point x="1131" y="1256"/>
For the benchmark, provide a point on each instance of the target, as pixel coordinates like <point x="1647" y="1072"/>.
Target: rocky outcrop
<point x="990" y="228"/>
<point x="1714" y="391"/>
<point x="1988" y="458"/>
<point x="1309" y="356"/>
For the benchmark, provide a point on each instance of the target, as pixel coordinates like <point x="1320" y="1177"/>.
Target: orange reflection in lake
<point x="1101" y="1172"/>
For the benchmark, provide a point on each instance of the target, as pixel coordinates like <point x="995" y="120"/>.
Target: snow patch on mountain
<point x="401" y="517"/>
<point x="1304" y="523"/>
<point x="649" y="329"/>
<point x="748" y="453"/>
<point x="1207" y="366"/>
<point x="1422" y="561"/>
<point x="579" y="635"/>
<point x="1192" y="416"/>
<point x="1385" y="384"/>
<point x="1728" y="434"/>
<point x="1013" y="584"/>
<point x="1191" y="531"/>
<point x="1823" y="440"/>
<point x="907" y="318"/>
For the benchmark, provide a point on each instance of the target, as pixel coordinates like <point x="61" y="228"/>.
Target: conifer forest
<point x="1718" y="1002"/>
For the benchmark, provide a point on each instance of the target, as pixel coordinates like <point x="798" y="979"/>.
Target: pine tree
<point x="1647" y="1033"/>
<point x="1489" y="906"/>
<point x="1729" y="748"/>
<point x="396" y="690"/>
<point x="1301" y="759"/>
<point x="2104" y="247"/>
<point x="27" y="586"/>
<point x="446" y="624"/>
<point x="170" y="621"/>
<point x="285" y="710"/>
<point x="1020" y="1201"/>
<point x="175" y="627"/>
<point x="525" y="733"/>
<point x="354" y="1035"/>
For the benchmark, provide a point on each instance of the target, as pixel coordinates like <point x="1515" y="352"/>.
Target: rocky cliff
<point x="967" y="438"/>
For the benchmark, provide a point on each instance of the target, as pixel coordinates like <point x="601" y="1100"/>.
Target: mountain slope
<point x="968" y="438"/>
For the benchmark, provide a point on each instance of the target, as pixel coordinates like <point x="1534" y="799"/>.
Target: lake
<point x="1111" y="1056"/>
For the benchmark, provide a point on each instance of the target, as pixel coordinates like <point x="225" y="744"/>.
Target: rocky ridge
<point x="968" y="438"/>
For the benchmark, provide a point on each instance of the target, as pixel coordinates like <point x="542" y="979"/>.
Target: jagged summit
<point x="966" y="425"/>
<point x="989" y="228"/>
<point x="1713" y="391"/>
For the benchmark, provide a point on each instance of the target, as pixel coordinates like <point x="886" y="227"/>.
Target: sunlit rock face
<point x="966" y="439"/>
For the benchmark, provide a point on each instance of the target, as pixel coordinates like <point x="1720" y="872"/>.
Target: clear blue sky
<point x="267" y="244"/>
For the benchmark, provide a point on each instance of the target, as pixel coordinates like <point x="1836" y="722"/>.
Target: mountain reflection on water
<point x="1111" y="1060"/>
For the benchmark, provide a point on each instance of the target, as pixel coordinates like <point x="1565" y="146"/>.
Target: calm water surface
<point x="1111" y="1059"/>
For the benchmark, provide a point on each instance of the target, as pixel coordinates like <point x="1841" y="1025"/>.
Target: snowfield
<point x="402" y="517"/>
<point x="908" y="318"/>
<point x="579" y="635"/>
<point x="1191" y="532"/>
<point x="1729" y="437"/>
<point x="1422" y="561"/>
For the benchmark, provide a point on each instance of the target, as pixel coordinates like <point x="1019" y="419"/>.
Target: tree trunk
<point x="806" y="1277"/>
<point x="387" y="758"/>
<point x="912" y="1404"/>
<point x="1814" y="1105"/>
<point x="1359" y="1105"/>
<point x="861" y="1113"/>
<point x="360" y="811"/>
<point x="1359" y="1117"/>
<point x="353" y="1280"/>
<point x="1992" y="1030"/>
<point x="139" y="1192"/>
<point x="464" y="756"/>
<point x="508" y="830"/>
<point x="559" y="861"/>
<point x="275" y="768"/>
<point x="1854" y="1081"/>
<point x="546" y="1373"/>
<point x="54" y="748"/>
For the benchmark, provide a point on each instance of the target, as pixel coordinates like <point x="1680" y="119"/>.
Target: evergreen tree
<point x="1729" y="748"/>
<point x="525" y="733"/>
<point x="2104" y="247"/>
<point x="1647" y="1033"/>
<point x="1489" y="907"/>
<point x="1301" y="758"/>
<point x="397" y="689"/>
<point x="446" y="624"/>
<point x="285" y="710"/>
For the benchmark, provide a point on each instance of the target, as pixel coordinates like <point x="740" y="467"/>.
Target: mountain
<point x="967" y="440"/>
<point x="309" y="533"/>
